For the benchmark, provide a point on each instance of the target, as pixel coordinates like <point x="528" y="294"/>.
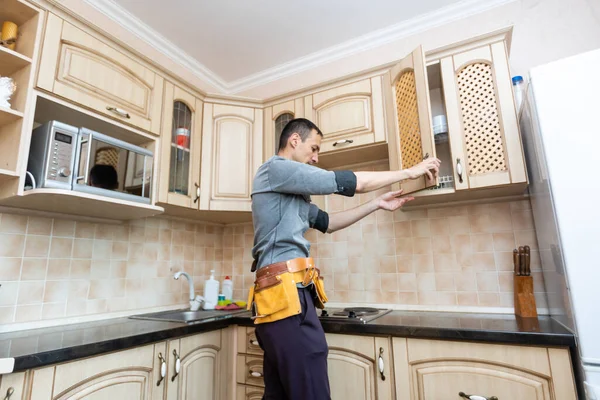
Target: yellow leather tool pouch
<point x="321" y="297"/>
<point x="275" y="298"/>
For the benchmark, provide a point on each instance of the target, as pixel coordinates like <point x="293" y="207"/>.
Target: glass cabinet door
<point x="181" y="147"/>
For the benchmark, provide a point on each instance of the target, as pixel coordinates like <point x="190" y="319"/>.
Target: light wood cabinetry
<point x="17" y="64"/>
<point x="97" y="75"/>
<point x="197" y="368"/>
<point x="360" y="367"/>
<point x="429" y="369"/>
<point x="179" y="182"/>
<point x="231" y="154"/>
<point x="15" y="384"/>
<point x="275" y="118"/>
<point x="130" y="374"/>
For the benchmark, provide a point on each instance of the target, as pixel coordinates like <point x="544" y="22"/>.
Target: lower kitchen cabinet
<point x="130" y="374"/>
<point x="14" y="383"/>
<point x="190" y="368"/>
<point x="249" y="393"/>
<point x="360" y="367"/>
<point x="431" y="370"/>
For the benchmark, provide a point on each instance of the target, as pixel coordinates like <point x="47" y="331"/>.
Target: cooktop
<point x="352" y="314"/>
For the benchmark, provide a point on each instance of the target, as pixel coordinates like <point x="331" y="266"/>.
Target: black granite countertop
<point x="40" y="347"/>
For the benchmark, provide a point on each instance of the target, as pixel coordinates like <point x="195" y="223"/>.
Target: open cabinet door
<point x="413" y="140"/>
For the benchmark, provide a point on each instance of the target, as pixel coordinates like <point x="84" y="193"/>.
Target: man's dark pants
<point x="295" y="359"/>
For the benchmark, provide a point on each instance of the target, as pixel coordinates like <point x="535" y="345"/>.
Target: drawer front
<point x="249" y="393"/>
<point x="250" y="370"/>
<point x="247" y="342"/>
<point x="99" y="77"/>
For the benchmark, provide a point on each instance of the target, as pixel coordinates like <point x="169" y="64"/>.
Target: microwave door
<point x="82" y="159"/>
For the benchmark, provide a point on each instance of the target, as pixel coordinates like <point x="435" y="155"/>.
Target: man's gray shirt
<point x="282" y="210"/>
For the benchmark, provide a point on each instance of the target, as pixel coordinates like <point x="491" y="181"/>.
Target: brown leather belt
<point x="267" y="275"/>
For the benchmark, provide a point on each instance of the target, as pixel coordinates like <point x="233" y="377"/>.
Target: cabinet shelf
<point x="11" y="61"/>
<point x="81" y="204"/>
<point x="7" y="175"/>
<point x="8" y="115"/>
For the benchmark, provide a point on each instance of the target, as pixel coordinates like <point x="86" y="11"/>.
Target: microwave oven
<point x="63" y="156"/>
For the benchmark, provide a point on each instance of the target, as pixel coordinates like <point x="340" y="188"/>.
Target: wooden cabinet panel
<point x="482" y="122"/>
<point x="247" y="342"/>
<point x="438" y="369"/>
<point x="249" y="370"/>
<point x="349" y="116"/>
<point x="177" y="162"/>
<point x="131" y="374"/>
<point x="413" y="140"/>
<point x="202" y="374"/>
<point x="98" y="76"/>
<point x="249" y="393"/>
<point x="16" y="382"/>
<point x="231" y="155"/>
<point x="353" y="367"/>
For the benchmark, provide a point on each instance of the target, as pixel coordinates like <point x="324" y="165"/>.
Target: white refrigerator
<point x="560" y="125"/>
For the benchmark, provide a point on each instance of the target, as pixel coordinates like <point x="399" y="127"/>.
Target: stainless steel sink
<point x="187" y="316"/>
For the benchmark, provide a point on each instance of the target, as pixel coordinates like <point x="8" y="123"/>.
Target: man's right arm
<point x="367" y="181"/>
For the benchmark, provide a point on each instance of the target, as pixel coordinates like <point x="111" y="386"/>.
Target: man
<point x="293" y="341"/>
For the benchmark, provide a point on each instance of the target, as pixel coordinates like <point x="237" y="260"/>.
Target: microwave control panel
<point x="61" y="157"/>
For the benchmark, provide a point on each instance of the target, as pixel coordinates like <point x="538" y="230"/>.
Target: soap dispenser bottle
<point x="211" y="292"/>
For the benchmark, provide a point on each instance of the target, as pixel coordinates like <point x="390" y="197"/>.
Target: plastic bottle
<point x="519" y="90"/>
<point x="227" y="288"/>
<point x="211" y="292"/>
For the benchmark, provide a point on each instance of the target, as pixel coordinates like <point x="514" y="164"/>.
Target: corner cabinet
<point x="97" y="75"/>
<point x="181" y="145"/>
<point x="232" y="151"/>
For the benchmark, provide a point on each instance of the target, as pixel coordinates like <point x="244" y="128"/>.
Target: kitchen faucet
<point x="194" y="304"/>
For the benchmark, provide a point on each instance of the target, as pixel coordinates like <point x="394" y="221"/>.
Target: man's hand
<point x="391" y="201"/>
<point x="425" y="168"/>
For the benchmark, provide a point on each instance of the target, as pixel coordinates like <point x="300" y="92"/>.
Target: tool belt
<point x="274" y="295"/>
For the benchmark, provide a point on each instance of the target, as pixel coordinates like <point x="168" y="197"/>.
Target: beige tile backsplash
<point x="454" y="256"/>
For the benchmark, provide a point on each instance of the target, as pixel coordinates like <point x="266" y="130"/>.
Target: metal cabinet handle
<point x="254" y="342"/>
<point x="459" y="170"/>
<point x="177" y="365"/>
<point x="255" y="374"/>
<point x="380" y="363"/>
<point x="476" y="397"/>
<point x="9" y="393"/>
<point x="197" y="192"/>
<point x="342" y="142"/>
<point x="163" y="368"/>
<point x="119" y="112"/>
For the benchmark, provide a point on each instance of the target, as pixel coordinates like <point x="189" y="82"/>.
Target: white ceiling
<point x="233" y="40"/>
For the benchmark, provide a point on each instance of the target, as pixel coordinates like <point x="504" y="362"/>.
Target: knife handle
<point x="516" y="262"/>
<point x="522" y="259"/>
<point x="527" y="250"/>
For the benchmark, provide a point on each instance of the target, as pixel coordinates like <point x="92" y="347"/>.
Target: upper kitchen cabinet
<point x="232" y="151"/>
<point x="460" y="110"/>
<point x="412" y="141"/>
<point x="181" y="145"/>
<point x="482" y="122"/>
<point x="276" y="117"/>
<point x="351" y="117"/>
<point x="97" y="75"/>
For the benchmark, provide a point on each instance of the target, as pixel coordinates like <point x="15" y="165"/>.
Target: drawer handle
<point x="163" y="368"/>
<point x="177" y="365"/>
<point x="255" y="374"/>
<point x="380" y="363"/>
<point x="254" y="342"/>
<point x="459" y="170"/>
<point x="9" y="393"/>
<point x="119" y="112"/>
<point x="476" y="397"/>
<point x="342" y="142"/>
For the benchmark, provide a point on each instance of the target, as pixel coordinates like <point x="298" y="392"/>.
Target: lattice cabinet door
<point x="482" y="122"/>
<point x="181" y="144"/>
<point x="413" y="139"/>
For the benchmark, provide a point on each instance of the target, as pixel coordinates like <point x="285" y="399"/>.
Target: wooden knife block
<point x="524" y="299"/>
